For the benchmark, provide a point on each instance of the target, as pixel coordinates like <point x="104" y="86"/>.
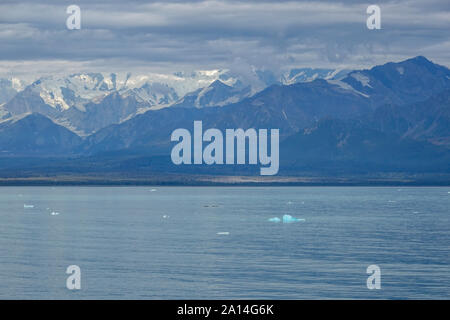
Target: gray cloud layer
<point x="166" y="36"/>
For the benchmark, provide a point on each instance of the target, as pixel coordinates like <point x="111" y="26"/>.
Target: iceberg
<point x="286" y="219"/>
<point x="289" y="219"/>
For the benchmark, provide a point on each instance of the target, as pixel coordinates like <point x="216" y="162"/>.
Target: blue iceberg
<point x="289" y="219"/>
<point x="286" y="219"/>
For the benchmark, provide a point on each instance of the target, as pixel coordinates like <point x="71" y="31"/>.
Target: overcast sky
<point x="168" y="36"/>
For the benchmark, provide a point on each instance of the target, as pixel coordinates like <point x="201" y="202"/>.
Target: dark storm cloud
<point x="217" y="34"/>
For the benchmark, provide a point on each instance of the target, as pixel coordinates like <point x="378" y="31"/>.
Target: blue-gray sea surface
<point x="217" y="242"/>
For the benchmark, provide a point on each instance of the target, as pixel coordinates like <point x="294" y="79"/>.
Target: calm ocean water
<point x="216" y="242"/>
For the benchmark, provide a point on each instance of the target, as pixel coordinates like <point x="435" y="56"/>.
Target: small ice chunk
<point x="223" y="233"/>
<point x="28" y="206"/>
<point x="165" y="216"/>
<point x="152" y="190"/>
<point x="54" y="213"/>
<point x="275" y="219"/>
<point x="289" y="219"/>
<point x="289" y="202"/>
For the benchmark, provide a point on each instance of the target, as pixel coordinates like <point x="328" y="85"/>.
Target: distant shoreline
<point x="223" y="181"/>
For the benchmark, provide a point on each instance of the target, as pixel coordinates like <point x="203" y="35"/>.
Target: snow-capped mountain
<point x="76" y="90"/>
<point x="297" y="109"/>
<point x="153" y="90"/>
<point x="400" y="83"/>
<point x="391" y="118"/>
<point x="214" y="95"/>
<point x="85" y="103"/>
<point x="298" y="75"/>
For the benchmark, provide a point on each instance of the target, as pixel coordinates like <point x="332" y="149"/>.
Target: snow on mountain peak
<point x="364" y="80"/>
<point x="297" y="75"/>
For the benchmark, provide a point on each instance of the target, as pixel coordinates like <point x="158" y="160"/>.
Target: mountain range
<point x="390" y="119"/>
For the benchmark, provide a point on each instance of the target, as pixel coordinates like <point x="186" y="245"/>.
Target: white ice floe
<point x="223" y="233"/>
<point x="286" y="219"/>
<point x="54" y="213"/>
<point x="165" y="216"/>
<point x="28" y="206"/>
